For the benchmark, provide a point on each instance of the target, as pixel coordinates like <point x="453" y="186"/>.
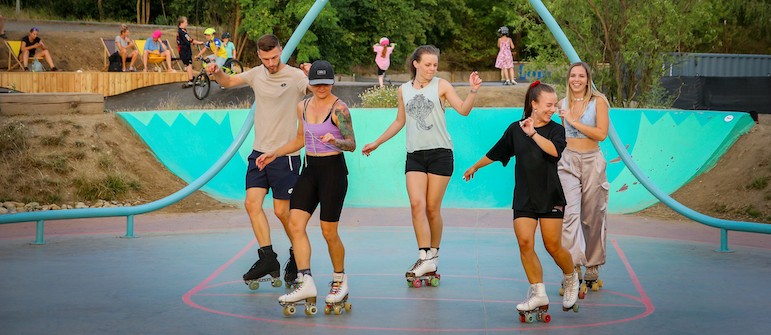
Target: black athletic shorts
<point x="380" y="72"/>
<point x="324" y="181"/>
<point x="279" y="176"/>
<point x="435" y="161"/>
<point x="186" y="56"/>
<point x="556" y="213"/>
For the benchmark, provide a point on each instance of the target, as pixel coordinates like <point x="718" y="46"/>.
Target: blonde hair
<point x="589" y="93"/>
<point x="123" y="28"/>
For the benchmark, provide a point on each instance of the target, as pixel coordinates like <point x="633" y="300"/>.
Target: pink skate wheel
<point x="417" y="283"/>
<point x="546" y="318"/>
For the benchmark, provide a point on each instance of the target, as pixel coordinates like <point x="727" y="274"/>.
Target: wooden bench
<point x="14" y="47"/>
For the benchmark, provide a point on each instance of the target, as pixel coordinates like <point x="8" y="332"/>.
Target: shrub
<point x="380" y="97"/>
<point x="14" y="136"/>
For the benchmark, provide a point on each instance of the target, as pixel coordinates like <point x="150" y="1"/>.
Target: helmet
<point x="503" y="30"/>
<point x="384" y="41"/>
<point x="209" y="31"/>
<point x="225" y="35"/>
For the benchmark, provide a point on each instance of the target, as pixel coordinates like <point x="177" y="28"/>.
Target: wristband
<point x="533" y="134"/>
<point x="473" y="91"/>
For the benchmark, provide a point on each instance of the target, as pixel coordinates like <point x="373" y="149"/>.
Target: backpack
<point x="36" y="66"/>
<point x="116" y="65"/>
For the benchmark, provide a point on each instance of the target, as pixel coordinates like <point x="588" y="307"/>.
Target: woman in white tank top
<point x="429" y="162"/>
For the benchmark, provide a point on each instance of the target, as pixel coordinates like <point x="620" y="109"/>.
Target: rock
<point x="45" y="207"/>
<point x="54" y="207"/>
<point x="80" y="205"/>
<point x="9" y="204"/>
<point x="3" y="210"/>
<point x="20" y="209"/>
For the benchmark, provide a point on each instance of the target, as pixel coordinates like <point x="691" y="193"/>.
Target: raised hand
<point x="474" y="81"/>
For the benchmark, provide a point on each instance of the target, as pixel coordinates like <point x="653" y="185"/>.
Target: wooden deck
<point x="104" y="83"/>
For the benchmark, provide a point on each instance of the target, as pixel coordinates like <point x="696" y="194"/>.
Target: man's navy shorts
<point x="279" y="176"/>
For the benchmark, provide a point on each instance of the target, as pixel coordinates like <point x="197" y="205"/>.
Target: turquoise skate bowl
<point x="671" y="147"/>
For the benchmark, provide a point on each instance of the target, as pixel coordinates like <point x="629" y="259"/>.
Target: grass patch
<point x="108" y="188"/>
<point x="55" y="141"/>
<point x="14" y="137"/>
<point x="759" y="183"/>
<point x="105" y="162"/>
<point x="720" y="208"/>
<point x="752" y="211"/>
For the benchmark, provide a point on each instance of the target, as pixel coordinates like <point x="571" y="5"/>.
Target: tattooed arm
<point x="342" y="117"/>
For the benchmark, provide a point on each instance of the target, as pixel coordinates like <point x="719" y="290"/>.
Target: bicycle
<point x="202" y="82"/>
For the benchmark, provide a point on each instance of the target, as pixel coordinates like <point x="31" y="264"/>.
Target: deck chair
<point x="13" y="55"/>
<point x="109" y="49"/>
<point x="174" y="58"/>
<point x="153" y="59"/>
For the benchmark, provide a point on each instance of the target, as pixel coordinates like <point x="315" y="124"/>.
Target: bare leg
<point x="253" y="204"/>
<point x="334" y="245"/>
<point x="25" y="58"/>
<point x="144" y="62"/>
<point x="49" y="60"/>
<point x="134" y="56"/>
<point x="298" y="223"/>
<point x="551" y="231"/>
<point x="123" y="58"/>
<point x="524" y="228"/>
<point x="437" y="185"/>
<point x="380" y="80"/>
<point x="417" y="184"/>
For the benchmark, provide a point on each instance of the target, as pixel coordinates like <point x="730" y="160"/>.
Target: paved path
<point x="182" y="276"/>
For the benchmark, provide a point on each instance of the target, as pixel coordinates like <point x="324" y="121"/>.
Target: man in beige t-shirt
<point x="277" y="90"/>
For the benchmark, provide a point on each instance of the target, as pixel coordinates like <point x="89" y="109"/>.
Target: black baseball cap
<point x="321" y="73"/>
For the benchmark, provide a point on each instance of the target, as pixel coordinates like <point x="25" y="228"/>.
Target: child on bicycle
<point x="184" y="42"/>
<point x="219" y="55"/>
<point x="230" y="49"/>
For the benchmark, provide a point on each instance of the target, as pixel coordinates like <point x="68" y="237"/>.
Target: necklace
<point x="578" y="99"/>
<point x="422" y="84"/>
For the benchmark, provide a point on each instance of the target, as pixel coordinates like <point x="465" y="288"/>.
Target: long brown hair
<point x="418" y="54"/>
<point x="533" y="93"/>
<point x="383" y="53"/>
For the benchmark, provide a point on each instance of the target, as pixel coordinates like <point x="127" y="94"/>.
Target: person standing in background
<point x="505" y="61"/>
<point x="383" y="52"/>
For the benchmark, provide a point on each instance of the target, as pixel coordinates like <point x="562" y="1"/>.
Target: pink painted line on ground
<point x="644" y="299"/>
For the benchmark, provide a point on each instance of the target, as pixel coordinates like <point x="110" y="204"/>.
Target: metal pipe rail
<point x="130" y="212"/>
<point x="723" y="225"/>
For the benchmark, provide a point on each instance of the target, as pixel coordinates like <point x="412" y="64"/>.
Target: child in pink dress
<point x="383" y="52"/>
<point x="505" y="61"/>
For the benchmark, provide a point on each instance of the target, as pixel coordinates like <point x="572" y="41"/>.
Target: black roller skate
<point x="290" y="271"/>
<point x="266" y="265"/>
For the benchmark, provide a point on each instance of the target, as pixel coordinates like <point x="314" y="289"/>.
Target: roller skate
<point x="306" y="290"/>
<point x="536" y="305"/>
<point x="423" y="272"/>
<point x="290" y="271"/>
<point x="570" y="299"/>
<point x="337" y="300"/>
<point x="592" y="278"/>
<point x="266" y="265"/>
<point x="581" y="288"/>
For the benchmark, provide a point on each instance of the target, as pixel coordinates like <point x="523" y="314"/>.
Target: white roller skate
<point x="423" y="271"/>
<point x="592" y="278"/>
<point x="306" y="290"/>
<point x="535" y="306"/>
<point x="571" y="292"/>
<point x="337" y="299"/>
<point x="581" y="288"/>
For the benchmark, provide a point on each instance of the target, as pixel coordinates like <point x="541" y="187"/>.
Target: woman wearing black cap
<point x="325" y="131"/>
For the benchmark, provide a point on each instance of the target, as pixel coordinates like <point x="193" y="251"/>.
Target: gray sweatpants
<point x="586" y="190"/>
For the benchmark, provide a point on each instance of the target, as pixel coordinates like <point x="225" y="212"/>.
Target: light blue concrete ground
<point x="182" y="276"/>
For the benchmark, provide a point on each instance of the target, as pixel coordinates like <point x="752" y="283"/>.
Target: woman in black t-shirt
<point x="31" y="45"/>
<point x="537" y="141"/>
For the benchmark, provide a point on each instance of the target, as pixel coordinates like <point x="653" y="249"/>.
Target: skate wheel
<point x="435" y="281"/>
<point x="562" y="291"/>
<point x="348" y="307"/>
<point x="581" y="295"/>
<point x="327" y="309"/>
<point x="253" y="284"/>
<point x="409" y="284"/>
<point x="575" y="308"/>
<point x="595" y="286"/>
<point x="289" y="310"/>
<point x="530" y="318"/>
<point x="277" y="282"/>
<point x="546" y="318"/>
<point x="522" y="318"/>
<point x="599" y="282"/>
<point x="288" y="285"/>
<point x="583" y="288"/>
<point x="438" y="276"/>
<point x="417" y="283"/>
<point x="311" y="310"/>
<point x="338" y="309"/>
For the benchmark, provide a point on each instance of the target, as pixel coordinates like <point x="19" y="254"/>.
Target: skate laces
<point x="334" y="287"/>
<point x="417" y="264"/>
